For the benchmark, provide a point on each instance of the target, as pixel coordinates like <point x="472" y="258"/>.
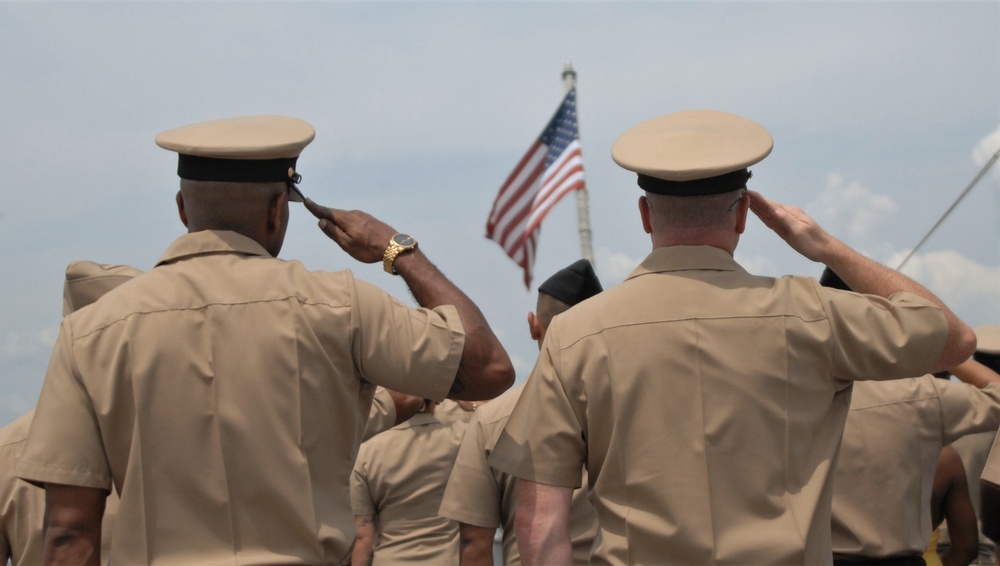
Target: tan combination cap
<point x="694" y="152"/>
<point x="87" y="281"/>
<point x="988" y="338"/>
<point x="245" y="149"/>
<point x="988" y="346"/>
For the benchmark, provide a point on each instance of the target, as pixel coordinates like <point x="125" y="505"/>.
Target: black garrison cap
<point x="573" y="284"/>
<point x="832" y="280"/>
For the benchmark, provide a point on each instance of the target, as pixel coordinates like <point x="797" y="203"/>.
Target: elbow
<point x="497" y="378"/>
<point x="503" y="376"/>
<point x="959" y="348"/>
<point x="970" y="554"/>
<point x="491" y="376"/>
<point x="966" y="343"/>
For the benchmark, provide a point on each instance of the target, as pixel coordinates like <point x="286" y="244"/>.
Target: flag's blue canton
<point x="562" y="130"/>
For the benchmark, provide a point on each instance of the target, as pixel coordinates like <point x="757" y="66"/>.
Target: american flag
<point x="551" y="169"/>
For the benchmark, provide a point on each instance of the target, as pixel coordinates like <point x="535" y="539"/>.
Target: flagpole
<point x="968" y="188"/>
<point x="582" y="201"/>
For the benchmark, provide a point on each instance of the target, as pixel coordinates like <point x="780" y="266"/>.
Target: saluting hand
<point x="358" y="233"/>
<point x="793" y="226"/>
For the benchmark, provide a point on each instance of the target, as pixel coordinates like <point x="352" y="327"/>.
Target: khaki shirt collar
<point x="686" y="258"/>
<point x="418" y="419"/>
<point x="211" y="242"/>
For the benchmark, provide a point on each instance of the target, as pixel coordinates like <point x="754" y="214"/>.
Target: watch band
<point x="393" y="251"/>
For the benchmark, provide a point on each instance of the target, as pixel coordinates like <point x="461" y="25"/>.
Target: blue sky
<point x="881" y="114"/>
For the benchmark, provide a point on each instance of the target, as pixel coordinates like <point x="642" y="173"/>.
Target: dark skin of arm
<point x="406" y="405"/>
<point x="475" y="545"/>
<point x="951" y="502"/>
<point x="72" y="533"/>
<point x="485" y="370"/>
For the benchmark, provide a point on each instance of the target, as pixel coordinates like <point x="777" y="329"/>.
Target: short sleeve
<point x="64" y="444"/>
<point x="966" y="409"/>
<point x="382" y="415"/>
<point x="543" y="440"/>
<point x="472" y="495"/>
<point x="361" y="497"/>
<point x="879" y="338"/>
<point x="410" y="350"/>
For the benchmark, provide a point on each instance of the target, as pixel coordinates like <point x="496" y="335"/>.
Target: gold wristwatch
<point x="400" y="243"/>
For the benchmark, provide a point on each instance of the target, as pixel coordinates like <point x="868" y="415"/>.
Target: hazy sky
<point x="881" y="114"/>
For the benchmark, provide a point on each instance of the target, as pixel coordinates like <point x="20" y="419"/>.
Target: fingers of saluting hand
<point x="769" y="212"/>
<point x="321" y="212"/>
<point x="791" y="224"/>
<point x="327" y="222"/>
<point x="360" y="234"/>
<point x="761" y="205"/>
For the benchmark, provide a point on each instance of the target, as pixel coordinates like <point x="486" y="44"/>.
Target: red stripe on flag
<point x="532" y="189"/>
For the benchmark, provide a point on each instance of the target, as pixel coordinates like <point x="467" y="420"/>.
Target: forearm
<point x="362" y="555"/>
<point x="71" y="547"/>
<point x="963" y="528"/>
<point x="974" y="373"/>
<point x="486" y="370"/>
<point x="475" y="545"/>
<point x="364" y="545"/>
<point x="959" y="556"/>
<point x="542" y="524"/>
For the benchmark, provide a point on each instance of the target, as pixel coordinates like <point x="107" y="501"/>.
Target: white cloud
<point x="969" y="288"/>
<point x="13" y="405"/>
<point x="985" y="149"/>
<point x="28" y="343"/>
<point x="758" y="265"/>
<point x="853" y="213"/>
<point x="614" y="267"/>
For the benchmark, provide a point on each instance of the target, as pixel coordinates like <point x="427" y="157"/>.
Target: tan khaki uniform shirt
<point x="479" y="495"/>
<point x="894" y="434"/>
<point x="225" y="393"/>
<point x="400" y="477"/>
<point x="708" y="405"/>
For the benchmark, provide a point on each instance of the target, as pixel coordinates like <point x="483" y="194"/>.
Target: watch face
<point x="404" y="240"/>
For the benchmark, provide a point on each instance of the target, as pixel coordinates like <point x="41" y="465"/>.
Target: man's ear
<point x="741" y="213"/>
<point x="180" y="209"/>
<point x="274" y="211"/>
<point x="534" y="326"/>
<point x="644" y="213"/>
